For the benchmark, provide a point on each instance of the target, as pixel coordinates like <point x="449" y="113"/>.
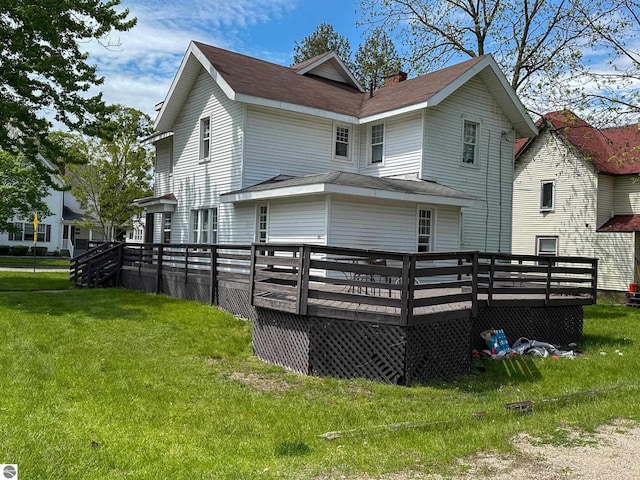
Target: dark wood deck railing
<point x="372" y="285"/>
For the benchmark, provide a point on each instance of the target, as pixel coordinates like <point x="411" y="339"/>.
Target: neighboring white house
<point x="59" y="232"/>
<point x="576" y="193"/>
<point x="248" y="150"/>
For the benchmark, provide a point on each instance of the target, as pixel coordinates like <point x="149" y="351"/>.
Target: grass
<point x="26" y="280"/>
<point x="119" y="384"/>
<point x="28" y="262"/>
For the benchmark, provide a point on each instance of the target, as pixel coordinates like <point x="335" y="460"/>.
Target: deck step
<point x="633" y="299"/>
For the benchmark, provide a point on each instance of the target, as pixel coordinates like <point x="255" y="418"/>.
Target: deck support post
<point x="213" y="277"/>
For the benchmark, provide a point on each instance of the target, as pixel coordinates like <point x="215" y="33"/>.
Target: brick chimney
<point x="395" y="78"/>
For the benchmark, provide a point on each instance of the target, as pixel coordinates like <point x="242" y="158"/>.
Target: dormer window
<point x="342" y="142"/>
<point x="205" y="138"/>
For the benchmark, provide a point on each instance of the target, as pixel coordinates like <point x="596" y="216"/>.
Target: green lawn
<point x="28" y="262"/>
<point x="27" y="280"/>
<point x="114" y="384"/>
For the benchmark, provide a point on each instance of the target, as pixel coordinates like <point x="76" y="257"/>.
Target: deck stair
<point x="97" y="267"/>
<point x="633" y="299"/>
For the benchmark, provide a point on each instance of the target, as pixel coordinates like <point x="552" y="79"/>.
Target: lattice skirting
<point x="557" y="325"/>
<point x="234" y="298"/>
<point x="346" y="349"/>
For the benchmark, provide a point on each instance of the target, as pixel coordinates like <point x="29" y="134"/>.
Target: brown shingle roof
<point x="622" y="223"/>
<point x="258" y="78"/>
<point x="613" y="150"/>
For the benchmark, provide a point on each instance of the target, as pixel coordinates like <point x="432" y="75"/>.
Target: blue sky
<point x="138" y="70"/>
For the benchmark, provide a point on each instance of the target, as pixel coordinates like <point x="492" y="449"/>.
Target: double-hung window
<point x="425" y="230"/>
<point x="25" y="233"/>
<point x="342" y="142"/>
<point x="205" y="138"/>
<point x="377" y="142"/>
<point x="470" y="143"/>
<point x="204" y="225"/>
<point x="547" y="196"/>
<point x="166" y="228"/>
<point x="262" y="223"/>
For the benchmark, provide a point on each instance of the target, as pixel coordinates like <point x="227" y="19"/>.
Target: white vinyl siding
<point x="198" y="185"/>
<point x="387" y="225"/>
<point x="487" y="225"/>
<point x="605" y="198"/>
<point x="288" y="143"/>
<point x="615" y="253"/>
<point x="402" y="147"/>
<point x="298" y="220"/>
<point x="163" y="168"/>
<point x="574" y="219"/>
<point x="626" y="197"/>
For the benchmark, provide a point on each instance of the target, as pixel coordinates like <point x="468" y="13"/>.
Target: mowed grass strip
<point x="111" y="383"/>
<point x="26" y="280"/>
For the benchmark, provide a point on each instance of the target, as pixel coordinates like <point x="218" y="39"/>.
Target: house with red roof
<point x="577" y="192"/>
<point x="251" y="151"/>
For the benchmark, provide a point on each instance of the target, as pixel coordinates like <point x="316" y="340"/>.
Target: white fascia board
<point x="210" y="69"/>
<point x="323" y="188"/>
<point x="292" y="107"/>
<point x="198" y="55"/>
<point x="392" y="113"/>
<point x="156" y="137"/>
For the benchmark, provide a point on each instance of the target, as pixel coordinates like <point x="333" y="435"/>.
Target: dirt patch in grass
<point x="260" y="382"/>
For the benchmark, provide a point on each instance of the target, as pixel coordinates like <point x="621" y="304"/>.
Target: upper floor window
<point x="204" y="225"/>
<point x="343" y="142"/>
<point x="547" y="196"/>
<point x="425" y="230"/>
<point x="205" y="138"/>
<point x="377" y="142"/>
<point x="470" y="143"/>
<point x="262" y="223"/>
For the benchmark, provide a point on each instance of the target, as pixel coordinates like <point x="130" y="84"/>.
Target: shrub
<point x="5" y="250"/>
<point x="19" y="250"/>
<point x="39" y="251"/>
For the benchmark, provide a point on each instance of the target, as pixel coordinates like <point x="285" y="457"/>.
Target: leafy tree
<point x="539" y="44"/>
<point x="116" y="172"/>
<point x="324" y="39"/>
<point x="22" y="190"/>
<point x="42" y="67"/>
<point x="376" y="59"/>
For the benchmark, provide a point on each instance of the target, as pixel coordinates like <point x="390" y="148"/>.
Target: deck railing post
<point x="594" y="280"/>
<point x="492" y="272"/>
<point x="186" y="264"/>
<point x="119" y="266"/>
<point x="474" y="284"/>
<point x="213" y="277"/>
<point x="252" y="273"/>
<point x="159" y="269"/>
<point x="303" y="279"/>
<point x="406" y="291"/>
<point x="547" y="292"/>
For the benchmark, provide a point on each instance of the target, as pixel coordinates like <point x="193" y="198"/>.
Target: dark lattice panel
<point x="515" y="321"/>
<point x="132" y="280"/>
<point x="438" y="349"/>
<point x="236" y="300"/>
<point x="347" y="349"/>
<point x="282" y="339"/>
<point x="558" y="325"/>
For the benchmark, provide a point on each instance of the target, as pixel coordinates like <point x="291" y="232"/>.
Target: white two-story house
<point x="250" y="151"/>
<point x="576" y="193"/>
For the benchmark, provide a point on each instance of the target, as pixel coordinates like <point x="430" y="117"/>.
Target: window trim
<point x="432" y="229"/>
<point x="553" y="195"/>
<point x="547" y="237"/>
<point x="204" y="153"/>
<point x="476" y="149"/>
<point x="258" y="228"/>
<point x="370" y="143"/>
<point x="349" y="142"/>
<point x="166" y="231"/>
<point x="196" y="229"/>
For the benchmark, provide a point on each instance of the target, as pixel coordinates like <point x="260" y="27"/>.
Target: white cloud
<point x="139" y="65"/>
